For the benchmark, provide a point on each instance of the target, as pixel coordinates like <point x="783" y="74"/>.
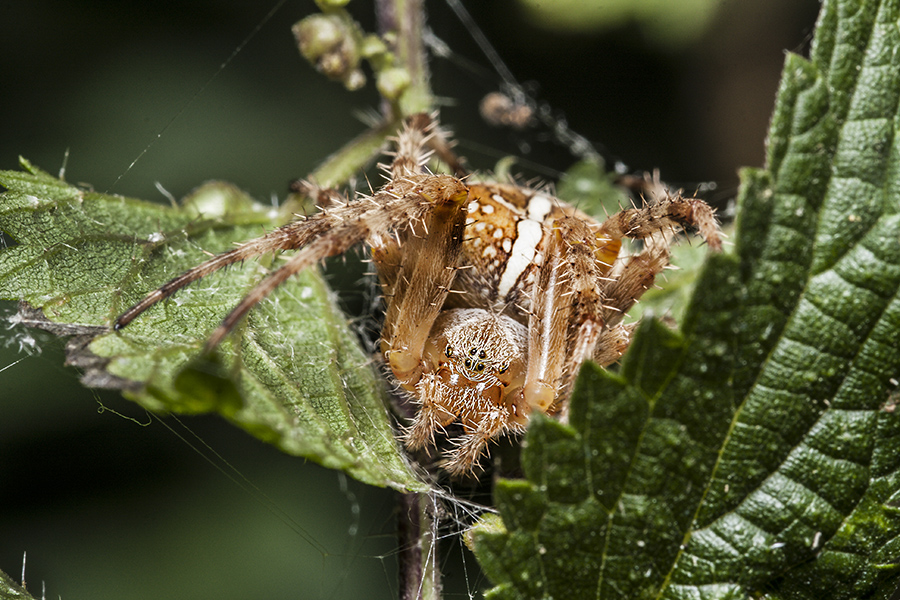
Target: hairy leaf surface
<point x="756" y="451"/>
<point x="10" y="590"/>
<point x="293" y="374"/>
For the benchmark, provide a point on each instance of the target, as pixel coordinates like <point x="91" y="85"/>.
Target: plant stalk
<point x="419" y="573"/>
<point x="405" y="21"/>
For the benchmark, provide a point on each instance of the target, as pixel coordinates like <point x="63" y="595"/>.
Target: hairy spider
<point x="496" y="293"/>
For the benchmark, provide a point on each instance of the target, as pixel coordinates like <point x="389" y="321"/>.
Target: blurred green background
<point x="107" y="508"/>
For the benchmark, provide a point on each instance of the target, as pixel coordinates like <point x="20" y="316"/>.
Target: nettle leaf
<point x="10" y="590"/>
<point x="293" y="374"/>
<point x="757" y="451"/>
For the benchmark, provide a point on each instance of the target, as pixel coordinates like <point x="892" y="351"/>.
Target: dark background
<point x="105" y="507"/>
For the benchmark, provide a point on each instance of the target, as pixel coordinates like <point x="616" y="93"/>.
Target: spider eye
<point x="468" y="363"/>
<point x="473" y="351"/>
<point x="448" y="351"/>
<point x="479" y="367"/>
<point x="503" y="368"/>
<point x="482" y="355"/>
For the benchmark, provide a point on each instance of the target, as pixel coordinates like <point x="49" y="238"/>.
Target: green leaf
<point x="10" y="590"/>
<point x="757" y="451"/>
<point x="293" y="375"/>
<point x="588" y="186"/>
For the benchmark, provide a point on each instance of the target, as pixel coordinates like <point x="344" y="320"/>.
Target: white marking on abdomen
<point x="539" y="206"/>
<point x="528" y="235"/>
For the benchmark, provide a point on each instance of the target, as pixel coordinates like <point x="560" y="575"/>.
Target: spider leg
<point x="606" y="344"/>
<point x="408" y="197"/>
<point x="565" y="323"/>
<point x="427" y="271"/>
<point x="292" y="235"/>
<point x="547" y="329"/>
<point x="612" y="343"/>
<point x="443" y="149"/>
<point x="428" y="262"/>
<point x="494" y="423"/>
<point x="608" y="347"/>
<point x="410" y="156"/>
<point x="320" y="248"/>
<point x="670" y="211"/>
<point x="431" y="415"/>
<point x="597" y="331"/>
<point x="386" y="212"/>
<point x="635" y="278"/>
<point x="464" y="458"/>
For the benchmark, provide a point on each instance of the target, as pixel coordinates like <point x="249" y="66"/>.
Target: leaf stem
<point x="401" y="23"/>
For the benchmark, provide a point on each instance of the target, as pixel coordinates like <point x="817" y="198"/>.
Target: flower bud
<point x="393" y="82"/>
<point x="330" y="43"/>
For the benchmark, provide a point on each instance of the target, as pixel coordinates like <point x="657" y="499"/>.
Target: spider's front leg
<point x="339" y="226"/>
<point x="287" y="237"/>
<point x="651" y="224"/>
<point x="567" y="320"/>
<point x="417" y="290"/>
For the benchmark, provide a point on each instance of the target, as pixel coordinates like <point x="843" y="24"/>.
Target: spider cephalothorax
<point x="495" y="293"/>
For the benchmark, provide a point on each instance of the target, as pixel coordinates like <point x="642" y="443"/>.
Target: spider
<point x="495" y="293"/>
